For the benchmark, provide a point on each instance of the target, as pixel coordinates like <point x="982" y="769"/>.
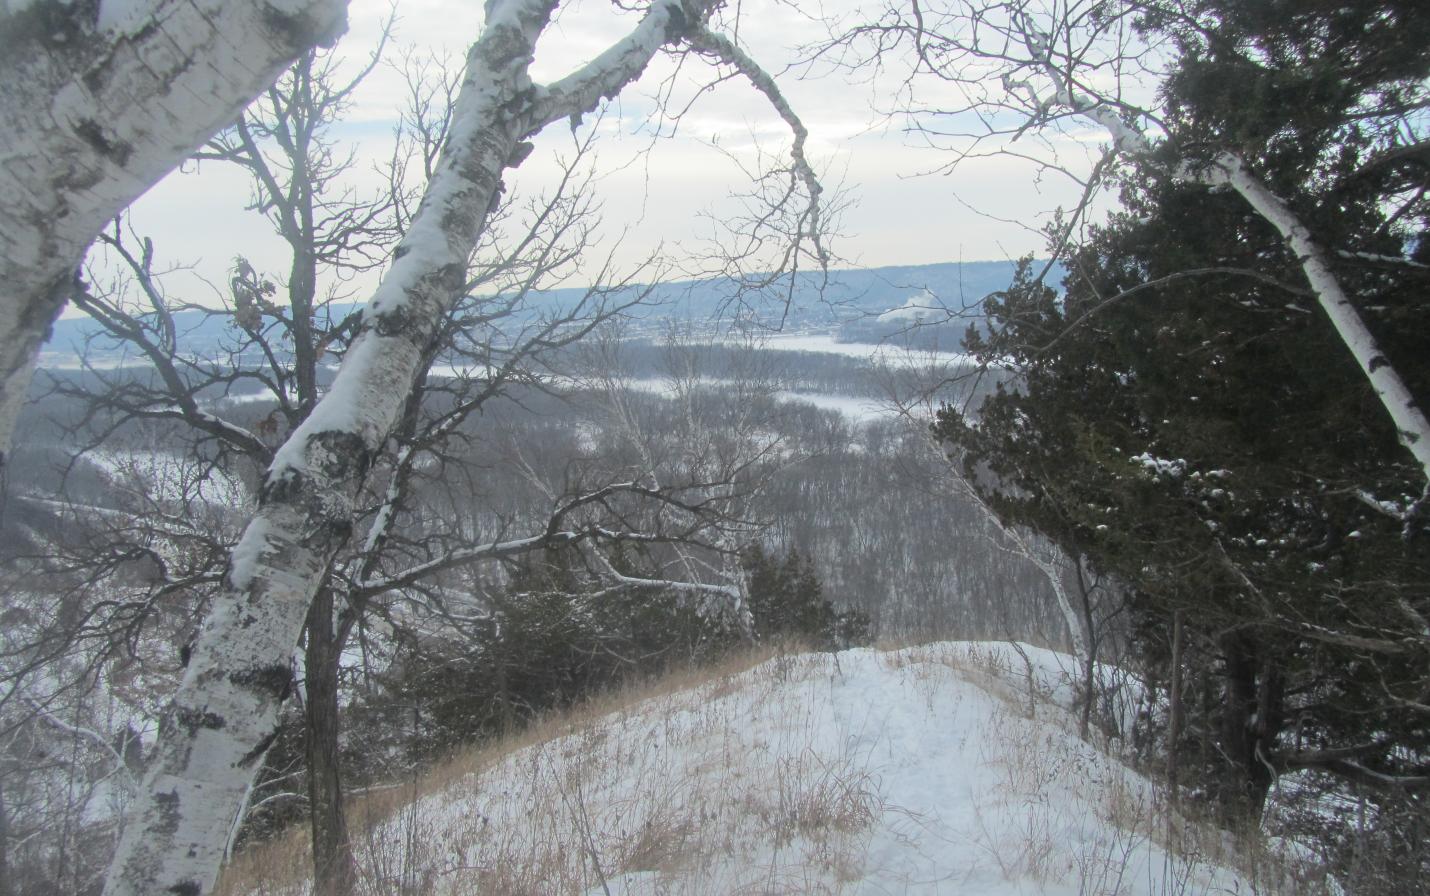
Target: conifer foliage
<point x="1183" y="415"/>
<point x="553" y="640"/>
<point x="787" y="601"/>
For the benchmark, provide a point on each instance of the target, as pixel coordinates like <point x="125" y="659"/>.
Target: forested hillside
<point x="855" y="297"/>
<point x="452" y="438"/>
<point x="464" y="643"/>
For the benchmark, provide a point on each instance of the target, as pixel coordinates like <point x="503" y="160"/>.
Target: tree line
<point x="1217" y="418"/>
<point x="1218" y="407"/>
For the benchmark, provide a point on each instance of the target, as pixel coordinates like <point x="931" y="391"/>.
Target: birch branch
<point x="604" y="77"/>
<point x="225" y="713"/>
<point x="705" y="41"/>
<point x="1229" y="169"/>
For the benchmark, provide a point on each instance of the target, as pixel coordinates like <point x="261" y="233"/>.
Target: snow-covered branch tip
<point x="665" y="22"/>
<point x="718" y="46"/>
<point x="78" y="731"/>
<point x="621" y="582"/>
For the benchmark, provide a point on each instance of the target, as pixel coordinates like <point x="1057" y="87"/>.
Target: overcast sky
<point x="657" y="195"/>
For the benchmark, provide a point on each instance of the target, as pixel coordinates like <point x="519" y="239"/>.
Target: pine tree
<point x="1185" y="418"/>
<point x="787" y="602"/>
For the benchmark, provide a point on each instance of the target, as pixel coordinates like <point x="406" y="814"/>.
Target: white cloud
<point x="654" y="192"/>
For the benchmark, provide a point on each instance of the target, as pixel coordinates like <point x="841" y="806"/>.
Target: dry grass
<point x="542" y="836"/>
<point x="1135" y="810"/>
<point x="669" y="789"/>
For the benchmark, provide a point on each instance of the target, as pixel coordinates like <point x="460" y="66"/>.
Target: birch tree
<point x="224" y="714"/>
<point x="282" y="328"/>
<point x="1179" y="410"/>
<point x="102" y="100"/>
<point x="1060" y="568"/>
<point x="1029" y="71"/>
<point x="1227" y="168"/>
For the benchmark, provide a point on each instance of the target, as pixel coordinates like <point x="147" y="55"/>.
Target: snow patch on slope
<point x="124" y="16"/>
<point x="921" y="771"/>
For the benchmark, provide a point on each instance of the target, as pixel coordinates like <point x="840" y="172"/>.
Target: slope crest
<point x="925" y="770"/>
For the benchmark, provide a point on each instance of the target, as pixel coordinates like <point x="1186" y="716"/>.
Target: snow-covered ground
<point x="918" y="307"/>
<point x="948" y="768"/>
<point x="852" y="407"/>
<point x="890" y="354"/>
<point x="164" y="476"/>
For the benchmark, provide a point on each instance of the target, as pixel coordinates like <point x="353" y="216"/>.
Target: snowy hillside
<point x="941" y="769"/>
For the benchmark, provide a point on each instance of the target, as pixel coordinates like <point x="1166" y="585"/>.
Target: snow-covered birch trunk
<point x="1050" y="561"/>
<point x="225" y="714"/>
<point x="1410" y="421"/>
<point x="100" y="101"/>
<point x="1229" y="170"/>
<point x="1046" y="559"/>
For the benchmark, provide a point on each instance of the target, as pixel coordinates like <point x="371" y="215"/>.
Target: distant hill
<point x="844" y="296"/>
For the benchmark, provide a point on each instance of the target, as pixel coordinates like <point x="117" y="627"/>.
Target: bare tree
<point x="105" y="99"/>
<point x="484" y="346"/>
<point x="283" y="330"/>
<point x="224" y="715"/>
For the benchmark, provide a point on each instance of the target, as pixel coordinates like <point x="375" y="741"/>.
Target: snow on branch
<point x="88" y="734"/>
<point x="709" y="43"/>
<point x="571" y="97"/>
<point x="729" y="595"/>
<point x="225" y="713"/>
<point x="1376" y="258"/>
<point x="477" y="553"/>
<point x="725" y="592"/>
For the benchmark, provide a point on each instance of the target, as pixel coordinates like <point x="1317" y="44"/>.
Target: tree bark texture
<point x="1251" y="720"/>
<point x="1410" y="422"/>
<point x="6" y="881"/>
<point x="97" y="112"/>
<point x="1174" y="707"/>
<point x="334" y="872"/>
<point x="225" y="713"/>
<point x="1089" y="656"/>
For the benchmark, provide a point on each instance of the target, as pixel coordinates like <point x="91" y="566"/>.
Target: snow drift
<point x="949" y="768"/>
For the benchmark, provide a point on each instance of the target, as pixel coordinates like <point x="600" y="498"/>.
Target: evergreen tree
<point x="787" y="601"/>
<point x="1184" y="417"/>
<point x="551" y="638"/>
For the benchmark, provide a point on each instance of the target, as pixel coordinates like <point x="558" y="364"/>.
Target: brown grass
<point x="283" y="864"/>
<point x="653" y="780"/>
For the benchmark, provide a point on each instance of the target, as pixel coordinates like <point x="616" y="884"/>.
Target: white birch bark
<point x="99" y="102"/>
<point x="225" y="713"/>
<point x="1046" y="559"/>
<point x="1229" y="170"/>
<point x="1050" y="560"/>
<point x="1410" y="422"/>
